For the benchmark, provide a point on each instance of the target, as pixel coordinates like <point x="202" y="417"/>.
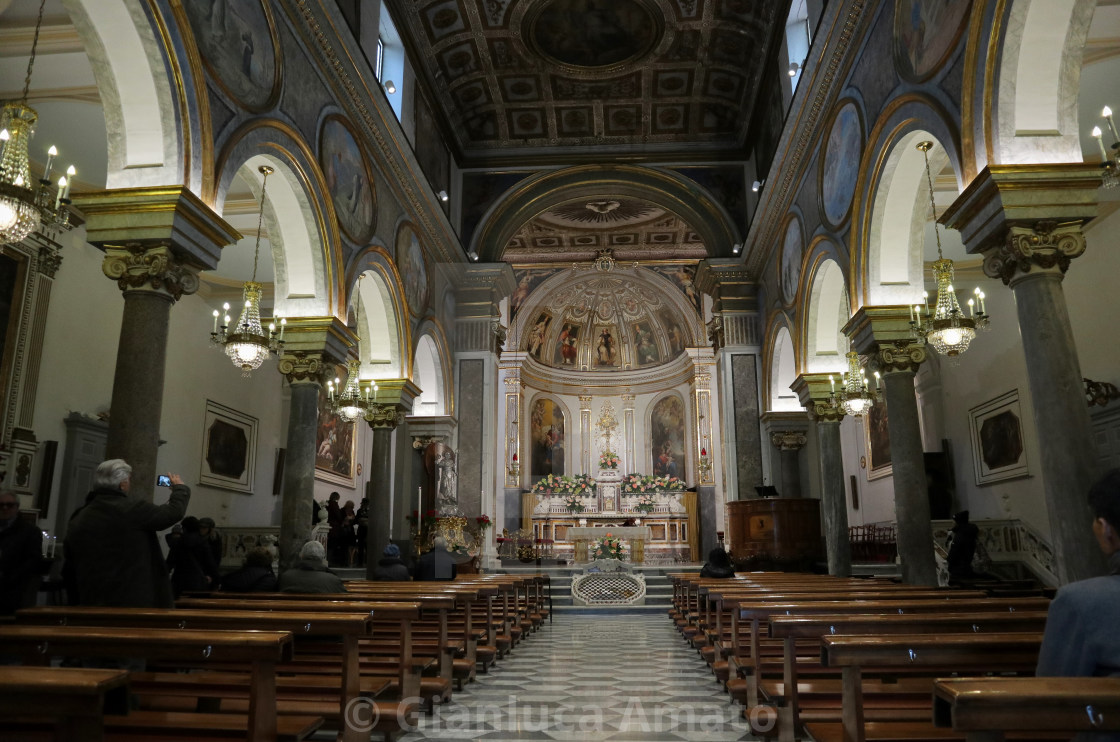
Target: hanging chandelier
<point x="855" y="396"/>
<point x="349" y="401"/>
<point x="24" y="204"/>
<point x="948" y="330"/>
<point x="248" y="345"/>
<point x="1110" y="169"/>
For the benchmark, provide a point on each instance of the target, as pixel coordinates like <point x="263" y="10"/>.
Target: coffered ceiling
<point x="605" y="77"/>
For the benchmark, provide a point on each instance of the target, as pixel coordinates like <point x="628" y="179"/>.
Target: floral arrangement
<point x="552" y="484"/>
<point x="483" y="522"/>
<point x="583" y="484"/>
<point x="636" y="484"/>
<point x="608" y="547"/>
<point x="574" y="503"/>
<point x="609" y="460"/>
<point x="645" y="503"/>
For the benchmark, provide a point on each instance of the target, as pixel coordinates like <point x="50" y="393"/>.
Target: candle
<point x="51" y="153"/>
<point x="70" y="173"/>
<point x="878" y="381"/>
<point x="4" y="137"/>
<point x="225" y="321"/>
<point x="982" y="310"/>
<point x="271" y="328"/>
<point x="283" y="324"/>
<point x="970" y="307"/>
<point x="1107" y="113"/>
<point x="1100" y="142"/>
<point x="831" y="383"/>
<point x="911" y="314"/>
<point x="925" y="300"/>
<point x="61" y="189"/>
<point x="215" y="330"/>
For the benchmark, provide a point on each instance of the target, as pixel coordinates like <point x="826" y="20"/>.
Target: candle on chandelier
<point x="283" y="323"/>
<point x="912" y="320"/>
<point x="970" y="307"/>
<point x="62" y="185"/>
<point x="925" y="300"/>
<point x="982" y="310"/>
<point x="1098" y="135"/>
<point x="878" y="381"/>
<point x="70" y="173"/>
<point x="225" y="321"/>
<point x="831" y="383"/>
<point x="51" y="154"/>
<point x="4" y="137"/>
<point x="1107" y="113"/>
<point x="215" y="330"/>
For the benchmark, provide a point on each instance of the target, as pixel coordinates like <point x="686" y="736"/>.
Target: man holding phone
<point x="112" y="541"/>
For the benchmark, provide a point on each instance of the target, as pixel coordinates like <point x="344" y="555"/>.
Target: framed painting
<point x="349" y="178"/>
<point x="878" y="441"/>
<point x="996" y="429"/>
<point x="791" y="261"/>
<point x="839" y="167"/>
<point x="229" y="448"/>
<point x="546" y="421"/>
<point x="667" y="425"/>
<point x="334" y="441"/>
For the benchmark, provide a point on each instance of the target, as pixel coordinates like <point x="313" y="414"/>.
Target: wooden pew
<point x="74" y="699"/>
<point x="261" y="650"/>
<point x="984" y="709"/>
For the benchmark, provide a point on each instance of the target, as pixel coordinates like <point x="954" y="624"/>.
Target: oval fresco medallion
<point x="925" y="34"/>
<point x="413" y="270"/>
<point x="593" y="33"/>
<point x="840" y="164"/>
<point x="237" y="42"/>
<point x="791" y="261"/>
<point x="349" y="179"/>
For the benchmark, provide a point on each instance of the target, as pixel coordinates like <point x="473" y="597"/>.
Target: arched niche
<point x="828" y="311"/>
<point x="430" y="374"/>
<point x="304" y="241"/>
<point x="783" y="372"/>
<point x="381" y="329"/>
<point x="140" y="106"/>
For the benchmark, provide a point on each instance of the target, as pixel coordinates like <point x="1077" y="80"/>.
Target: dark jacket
<point x="437" y="564"/>
<point x="962" y="549"/>
<point x="116" y="555"/>
<point x="310" y="577"/>
<point x="192" y="561"/>
<point x="250" y="579"/>
<point x="391" y="569"/>
<point x="21" y="564"/>
<point x="715" y="570"/>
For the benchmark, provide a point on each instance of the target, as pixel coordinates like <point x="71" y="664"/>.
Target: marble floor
<point x="593" y="677"/>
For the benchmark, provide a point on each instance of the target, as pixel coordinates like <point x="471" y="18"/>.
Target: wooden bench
<point x="260" y="650"/>
<point x="74" y="699"/>
<point x="984" y="709"/>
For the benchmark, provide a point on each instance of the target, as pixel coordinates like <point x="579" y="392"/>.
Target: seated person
<point x="719" y="564"/>
<point x="255" y="576"/>
<point x="310" y="574"/>
<point x="437" y="564"/>
<point x="390" y="567"/>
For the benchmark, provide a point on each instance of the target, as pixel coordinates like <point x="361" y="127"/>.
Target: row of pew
<point x="260" y="666"/>
<point x="869" y="660"/>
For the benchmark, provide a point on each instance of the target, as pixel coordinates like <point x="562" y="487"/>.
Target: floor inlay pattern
<point x="592" y="677"/>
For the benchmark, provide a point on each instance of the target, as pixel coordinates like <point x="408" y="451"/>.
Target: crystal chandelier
<point x="248" y="345"/>
<point x="1110" y="169"/>
<point x="349" y="401"/>
<point x="856" y="396"/>
<point x="948" y="330"/>
<point x="24" y="204"/>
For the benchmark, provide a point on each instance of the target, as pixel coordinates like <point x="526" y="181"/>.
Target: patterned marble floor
<point x="593" y="677"/>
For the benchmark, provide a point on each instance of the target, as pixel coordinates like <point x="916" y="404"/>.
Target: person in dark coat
<point x="112" y="541"/>
<point x="335" y="519"/>
<point x="213" y="539"/>
<point x="21" y="557"/>
<point x="255" y="576"/>
<point x="437" y="564"/>
<point x="362" y="532"/>
<point x="391" y="567"/>
<point x="310" y="574"/>
<point x="192" y="564"/>
<point x="963" y="538"/>
<point x="719" y="564"/>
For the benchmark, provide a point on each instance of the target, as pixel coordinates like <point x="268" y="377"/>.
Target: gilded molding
<point x="823" y="412"/>
<point x="1046" y="246"/>
<point x="145" y="267"/>
<point x="898" y="357"/>
<point x="304" y="367"/>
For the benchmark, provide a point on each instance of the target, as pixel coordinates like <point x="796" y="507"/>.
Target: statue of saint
<point x="447" y="496"/>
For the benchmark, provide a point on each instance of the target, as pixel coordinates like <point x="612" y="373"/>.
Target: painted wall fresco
<point x="925" y="32"/>
<point x="791" y="261"/>
<point x="238" y="46"/>
<point x="667" y="426"/>
<point x="536" y="334"/>
<point x="840" y="164"/>
<point x="413" y="270"/>
<point x="605" y="353"/>
<point x="593" y="33"/>
<point x="349" y="180"/>
<point x="547" y="431"/>
<point x="682" y="276"/>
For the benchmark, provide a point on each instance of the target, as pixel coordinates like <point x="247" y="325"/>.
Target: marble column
<point x="898" y="364"/>
<point x="152" y="279"/>
<point x="305" y="373"/>
<point x="383" y="420"/>
<point x="789" y="443"/>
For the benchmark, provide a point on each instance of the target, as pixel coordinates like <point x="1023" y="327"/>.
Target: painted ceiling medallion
<point x="593" y="34"/>
<point x="601" y="211"/>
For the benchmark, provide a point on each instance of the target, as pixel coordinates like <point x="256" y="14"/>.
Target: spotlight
<point x="442" y="195"/>
<point x="472" y="255"/>
<point x="756" y="185"/>
<point x="793" y="69"/>
<point x="390" y="88"/>
<point x="736" y="248"/>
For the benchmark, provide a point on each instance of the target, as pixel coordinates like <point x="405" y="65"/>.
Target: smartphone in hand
<point x="163" y="481"/>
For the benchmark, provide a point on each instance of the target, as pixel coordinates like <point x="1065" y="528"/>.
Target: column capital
<point x="156" y="268"/>
<point x="898" y="357"/>
<point x="872" y="326"/>
<point x="313" y="346"/>
<point x="788" y="440"/>
<point x="384" y="416"/>
<point x="393" y="402"/>
<point x="1042" y="247"/>
<point x="304" y="367"/>
<point x="158" y="215"/>
<point x="428" y="429"/>
<point x="585" y="401"/>
<point x="815" y="394"/>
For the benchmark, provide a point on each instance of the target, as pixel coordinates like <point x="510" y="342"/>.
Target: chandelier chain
<point x="31" y="61"/>
<point x="932" y="203"/>
<point x="265" y="171"/>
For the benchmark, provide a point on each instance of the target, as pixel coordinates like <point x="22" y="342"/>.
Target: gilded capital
<point x="1045" y="247"/>
<point x="300" y="366"/>
<point x="788" y="440"/>
<point x="144" y="266"/>
<point x="823" y="412"/>
<point x="384" y="416"/>
<point x="898" y="356"/>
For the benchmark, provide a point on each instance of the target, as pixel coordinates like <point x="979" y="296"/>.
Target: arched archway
<point x="782" y="373"/>
<point x="377" y="308"/>
<point x="828" y="311"/>
<point x="428" y="372"/>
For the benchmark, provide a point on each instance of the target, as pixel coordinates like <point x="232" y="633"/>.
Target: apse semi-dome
<point x="607" y="321"/>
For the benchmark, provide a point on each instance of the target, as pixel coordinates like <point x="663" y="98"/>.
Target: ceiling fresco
<point x="543" y="74"/>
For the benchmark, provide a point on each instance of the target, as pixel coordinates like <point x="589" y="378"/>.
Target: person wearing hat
<point x="390" y="567"/>
<point x="310" y="574"/>
<point x="212" y="538"/>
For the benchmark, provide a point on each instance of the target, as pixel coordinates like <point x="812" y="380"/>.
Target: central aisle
<point x="593" y="677"/>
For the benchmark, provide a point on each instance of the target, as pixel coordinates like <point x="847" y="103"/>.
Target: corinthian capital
<point x="384" y="416"/>
<point x="1047" y="246"/>
<point x="898" y="356"/>
<point x="823" y="412"/>
<point x="788" y="440"/>
<point x="300" y="366"/>
<point x="155" y="268"/>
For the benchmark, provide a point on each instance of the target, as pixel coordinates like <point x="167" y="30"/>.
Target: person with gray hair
<point x="111" y="541"/>
<point x="311" y="574"/>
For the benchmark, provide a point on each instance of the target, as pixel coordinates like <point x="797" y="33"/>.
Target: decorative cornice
<point x="146" y="267"/>
<point x="1045" y="247"/>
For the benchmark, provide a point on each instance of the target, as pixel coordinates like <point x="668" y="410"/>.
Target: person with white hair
<point x="111" y="541"/>
<point x="311" y="574"/>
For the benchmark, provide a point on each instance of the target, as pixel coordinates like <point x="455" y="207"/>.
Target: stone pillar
<point x="788" y="443"/>
<point x="911" y="492"/>
<point x="813" y="392"/>
<point x="1027" y="221"/>
<point x="305" y="372"/>
<point x="585" y="434"/>
<point x="393" y="402"/>
<point x="156" y="240"/>
<point x="884" y="335"/>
